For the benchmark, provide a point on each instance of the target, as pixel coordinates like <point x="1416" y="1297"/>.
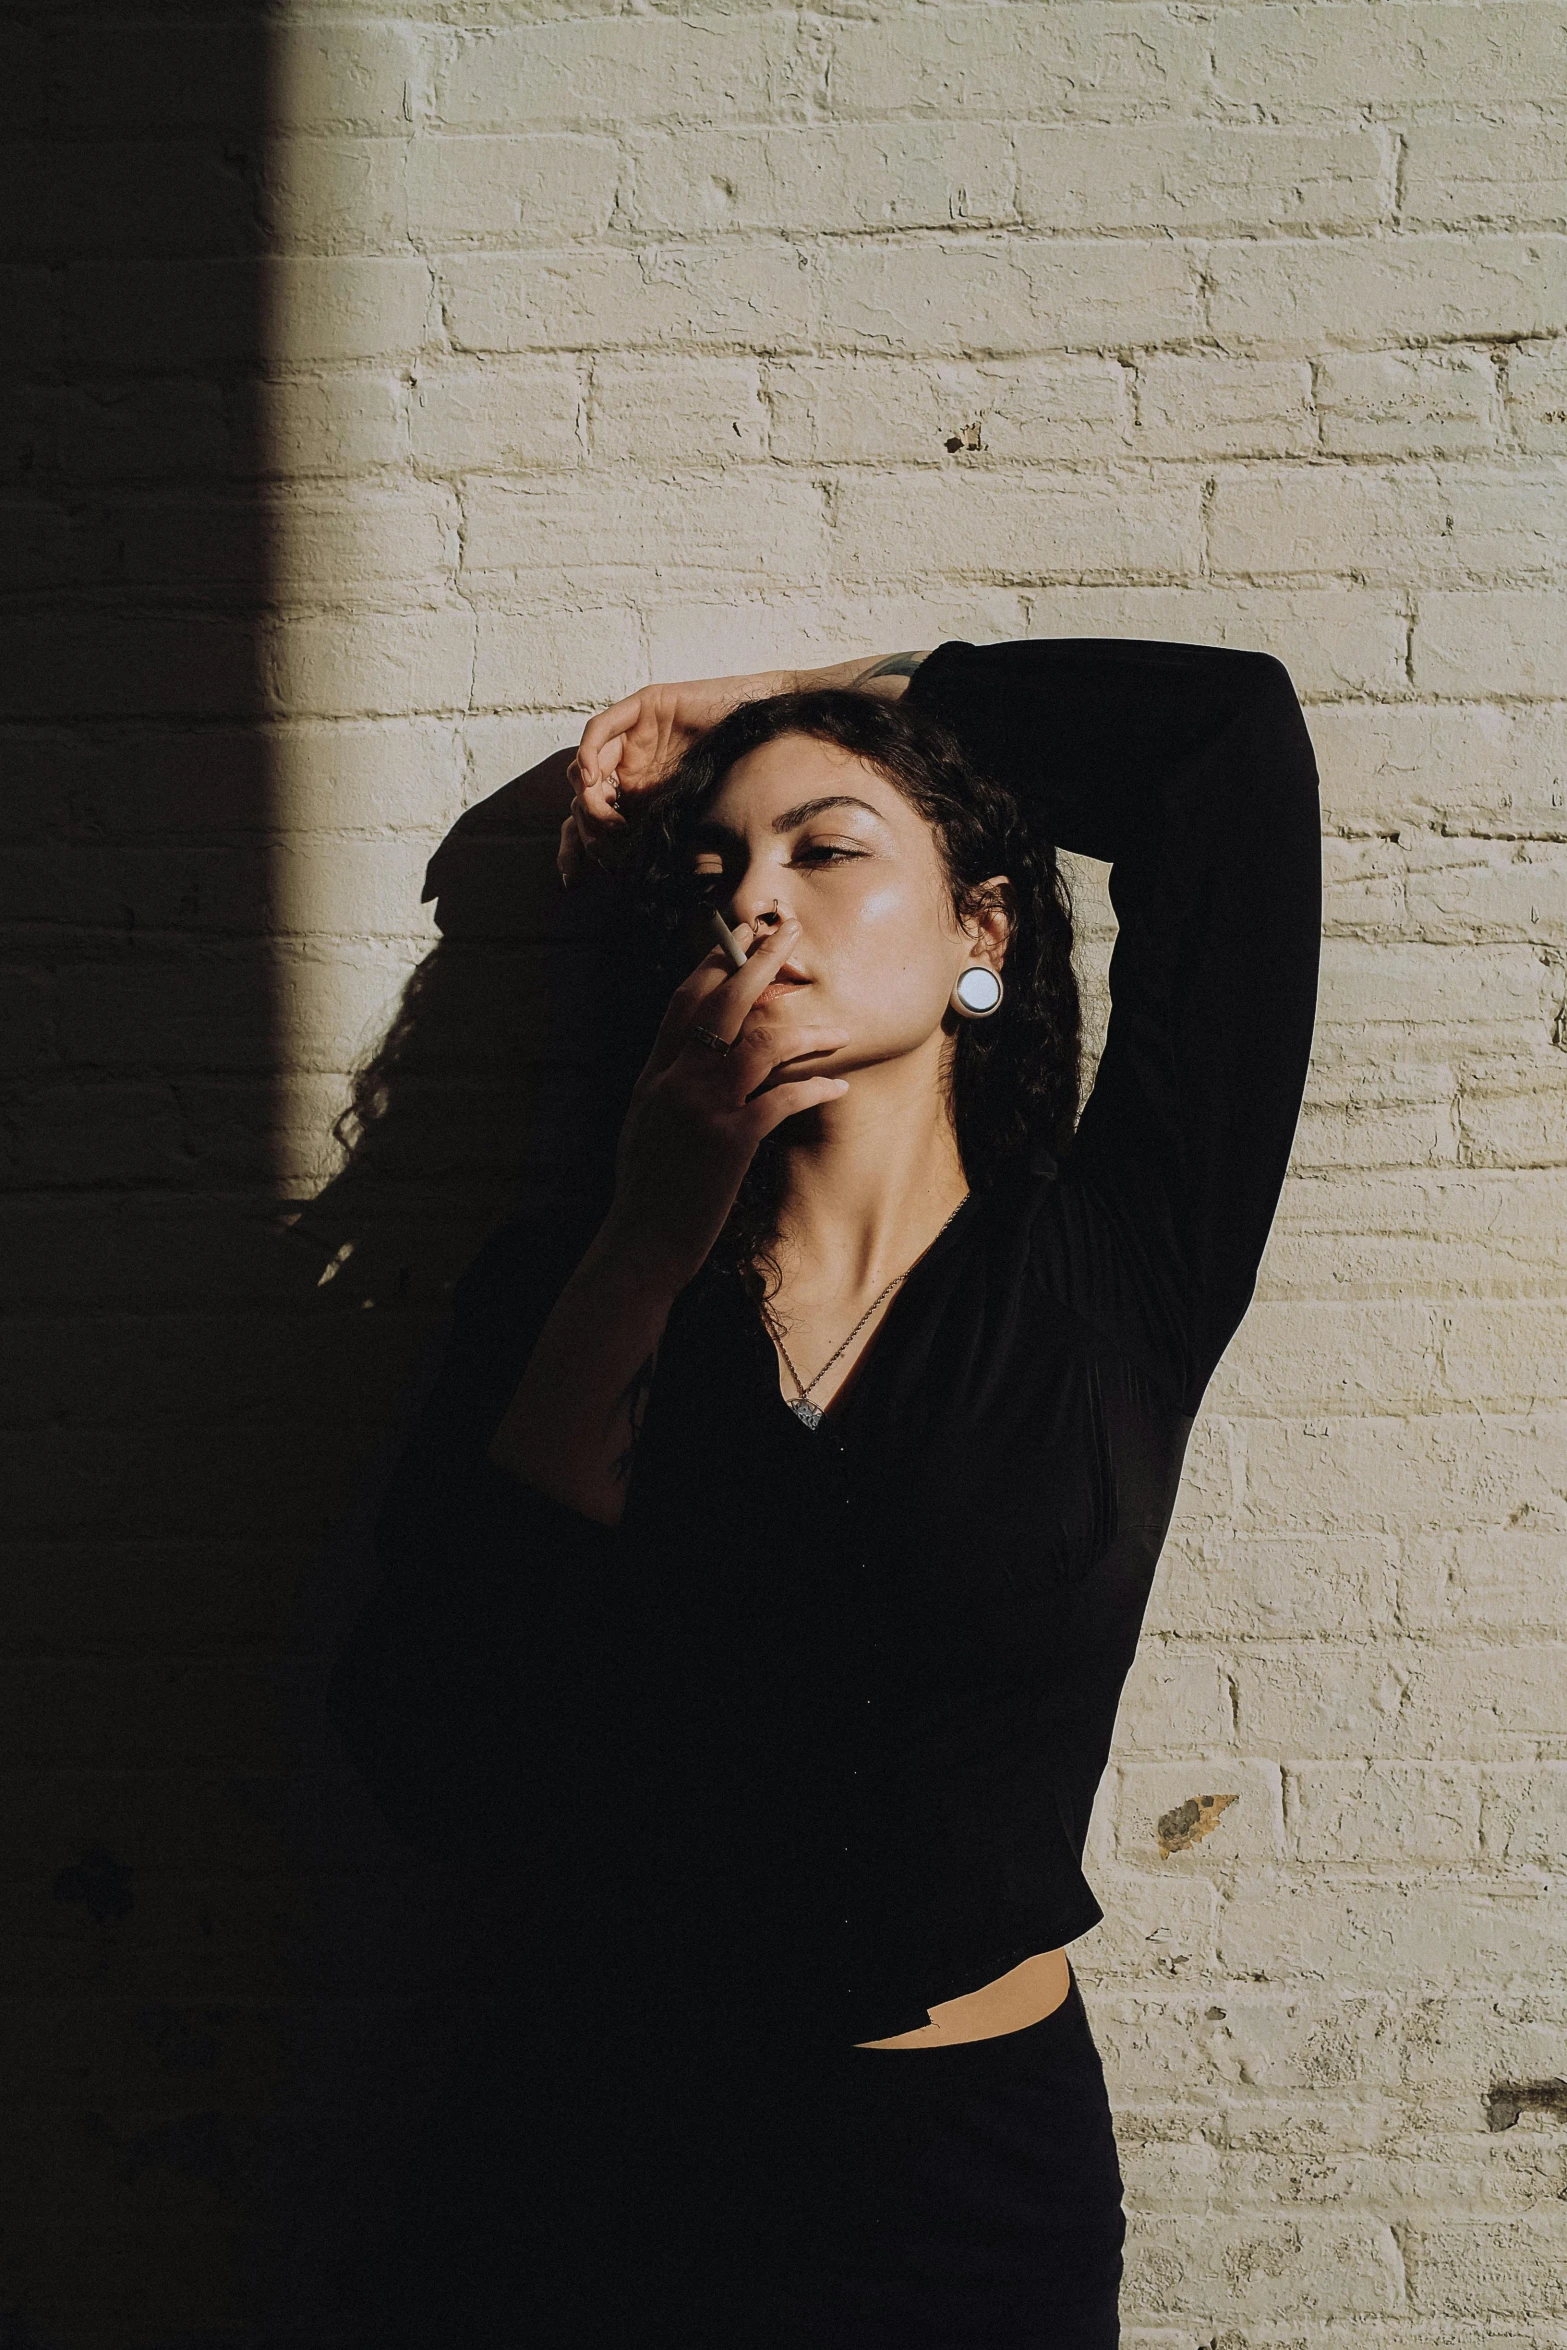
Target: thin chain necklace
<point x="801" y="1404"/>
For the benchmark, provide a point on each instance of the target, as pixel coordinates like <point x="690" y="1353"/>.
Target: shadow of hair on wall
<point x="499" y="1081"/>
<point x="497" y="1089"/>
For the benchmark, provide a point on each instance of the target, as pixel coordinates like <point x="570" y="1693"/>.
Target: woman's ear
<point x="991" y="924"/>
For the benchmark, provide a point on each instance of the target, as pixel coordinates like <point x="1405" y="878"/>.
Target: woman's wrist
<point x="573" y="1418"/>
<point x="886" y="674"/>
<point x="622" y="1263"/>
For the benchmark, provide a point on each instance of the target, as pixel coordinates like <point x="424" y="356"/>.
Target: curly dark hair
<point x="1015" y="1077"/>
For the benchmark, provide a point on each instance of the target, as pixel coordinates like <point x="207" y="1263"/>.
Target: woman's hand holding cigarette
<point x="723" y="1072"/>
<point x="697" y="1113"/>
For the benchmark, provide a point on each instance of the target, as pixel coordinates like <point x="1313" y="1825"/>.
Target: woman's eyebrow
<point x="712" y="834"/>
<point x="839" y="799"/>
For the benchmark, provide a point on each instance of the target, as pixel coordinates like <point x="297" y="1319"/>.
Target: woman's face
<point x="811" y="827"/>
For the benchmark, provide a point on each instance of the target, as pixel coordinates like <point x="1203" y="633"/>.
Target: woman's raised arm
<point x="1188" y="769"/>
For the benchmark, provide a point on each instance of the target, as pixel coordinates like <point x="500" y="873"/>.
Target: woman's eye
<point x="824" y="852"/>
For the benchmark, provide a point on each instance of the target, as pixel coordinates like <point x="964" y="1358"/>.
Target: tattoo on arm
<point x="633" y="1402"/>
<point x="895" y="665"/>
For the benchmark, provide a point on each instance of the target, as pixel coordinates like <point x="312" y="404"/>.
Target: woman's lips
<point x="786" y="982"/>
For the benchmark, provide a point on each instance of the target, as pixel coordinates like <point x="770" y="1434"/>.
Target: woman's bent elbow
<point x="592" y="1492"/>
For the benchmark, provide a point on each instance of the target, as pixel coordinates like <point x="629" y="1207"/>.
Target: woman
<point x="776" y="1540"/>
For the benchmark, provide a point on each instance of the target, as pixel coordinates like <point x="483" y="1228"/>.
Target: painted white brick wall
<point x="614" y="344"/>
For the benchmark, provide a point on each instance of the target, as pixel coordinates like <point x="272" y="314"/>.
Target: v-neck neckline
<point x="863" y="1371"/>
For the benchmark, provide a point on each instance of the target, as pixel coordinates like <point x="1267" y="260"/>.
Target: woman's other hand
<point x="630" y="747"/>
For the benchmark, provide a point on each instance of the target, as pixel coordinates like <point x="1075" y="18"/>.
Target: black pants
<point x="717" y="2199"/>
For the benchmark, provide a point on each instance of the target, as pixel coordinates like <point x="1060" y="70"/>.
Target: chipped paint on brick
<point x="1189" y="1822"/>
<point x="1509" y="2099"/>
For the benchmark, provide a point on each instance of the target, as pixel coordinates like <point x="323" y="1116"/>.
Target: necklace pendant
<point x="803" y="1409"/>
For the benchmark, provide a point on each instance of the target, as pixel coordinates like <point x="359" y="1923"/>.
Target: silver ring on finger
<point x="709" y="1037"/>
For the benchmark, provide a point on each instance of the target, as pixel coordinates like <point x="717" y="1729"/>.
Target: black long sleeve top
<point x="814" y="1734"/>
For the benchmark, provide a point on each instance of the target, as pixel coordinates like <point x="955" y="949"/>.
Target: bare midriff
<point x="1024" y="1995"/>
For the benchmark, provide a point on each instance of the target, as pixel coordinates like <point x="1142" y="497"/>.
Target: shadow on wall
<point x="496" y="1079"/>
<point x="230" y="1993"/>
<point x="498" y="1086"/>
<point x="149" y="1463"/>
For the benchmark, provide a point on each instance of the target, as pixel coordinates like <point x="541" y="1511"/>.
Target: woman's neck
<point x="865" y="1193"/>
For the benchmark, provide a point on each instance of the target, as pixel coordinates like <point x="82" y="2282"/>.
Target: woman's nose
<point x="753" y="903"/>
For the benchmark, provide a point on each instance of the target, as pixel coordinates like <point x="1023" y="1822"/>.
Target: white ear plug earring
<point x="978" y="992"/>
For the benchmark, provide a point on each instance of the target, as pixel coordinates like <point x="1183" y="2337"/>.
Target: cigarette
<point x="726" y="938"/>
